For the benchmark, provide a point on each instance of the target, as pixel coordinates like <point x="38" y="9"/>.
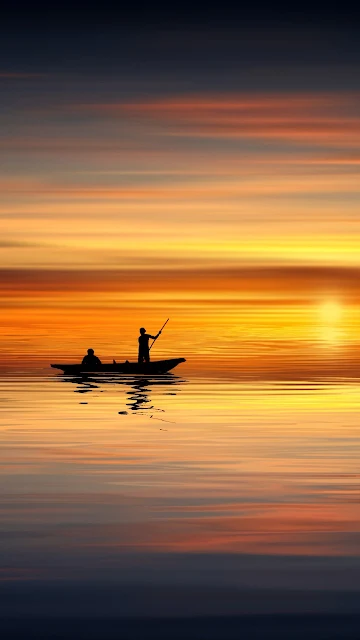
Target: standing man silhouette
<point x="144" y="352"/>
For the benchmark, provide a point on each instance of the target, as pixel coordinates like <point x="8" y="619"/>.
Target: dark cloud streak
<point x="294" y="280"/>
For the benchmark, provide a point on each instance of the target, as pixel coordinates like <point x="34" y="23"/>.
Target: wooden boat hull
<point x="131" y="368"/>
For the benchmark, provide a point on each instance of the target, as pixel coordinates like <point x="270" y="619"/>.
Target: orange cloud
<point x="313" y="119"/>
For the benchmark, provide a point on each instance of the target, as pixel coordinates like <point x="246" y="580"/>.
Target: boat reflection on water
<point x="140" y="388"/>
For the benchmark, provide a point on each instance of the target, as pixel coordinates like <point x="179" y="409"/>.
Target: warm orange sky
<point x="211" y="178"/>
<point x="205" y="180"/>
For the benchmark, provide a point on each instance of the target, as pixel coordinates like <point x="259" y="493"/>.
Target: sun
<point x="331" y="311"/>
<point x="331" y="314"/>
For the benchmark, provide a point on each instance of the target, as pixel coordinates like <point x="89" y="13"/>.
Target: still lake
<point x="181" y="491"/>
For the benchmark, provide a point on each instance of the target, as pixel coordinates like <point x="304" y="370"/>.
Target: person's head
<point x="142" y="331"/>
<point x="90" y="352"/>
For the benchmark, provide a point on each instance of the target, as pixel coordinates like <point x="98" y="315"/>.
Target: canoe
<point x="155" y="367"/>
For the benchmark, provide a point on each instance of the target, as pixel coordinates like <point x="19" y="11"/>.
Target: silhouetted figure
<point x="91" y="360"/>
<point x="144" y="353"/>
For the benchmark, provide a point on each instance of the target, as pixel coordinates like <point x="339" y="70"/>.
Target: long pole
<point x="165" y="323"/>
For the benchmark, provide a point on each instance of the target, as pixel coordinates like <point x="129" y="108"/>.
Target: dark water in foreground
<point x="173" y="498"/>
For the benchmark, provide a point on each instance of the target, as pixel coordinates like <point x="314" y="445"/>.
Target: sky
<point x="203" y="165"/>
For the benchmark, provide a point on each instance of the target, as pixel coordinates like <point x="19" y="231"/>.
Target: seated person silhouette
<point x="91" y="361"/>
<point x="144" y="351"/>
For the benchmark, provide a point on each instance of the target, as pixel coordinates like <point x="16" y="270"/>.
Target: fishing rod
<point x="165" y="323"/>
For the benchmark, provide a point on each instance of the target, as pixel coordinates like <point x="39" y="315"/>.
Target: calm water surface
<point x="181" y="483"/>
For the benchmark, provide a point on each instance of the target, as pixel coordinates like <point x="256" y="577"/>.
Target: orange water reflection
<point x="179" y="465"/>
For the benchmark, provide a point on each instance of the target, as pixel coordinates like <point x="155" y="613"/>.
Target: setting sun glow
<point x="332" y="316"/>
